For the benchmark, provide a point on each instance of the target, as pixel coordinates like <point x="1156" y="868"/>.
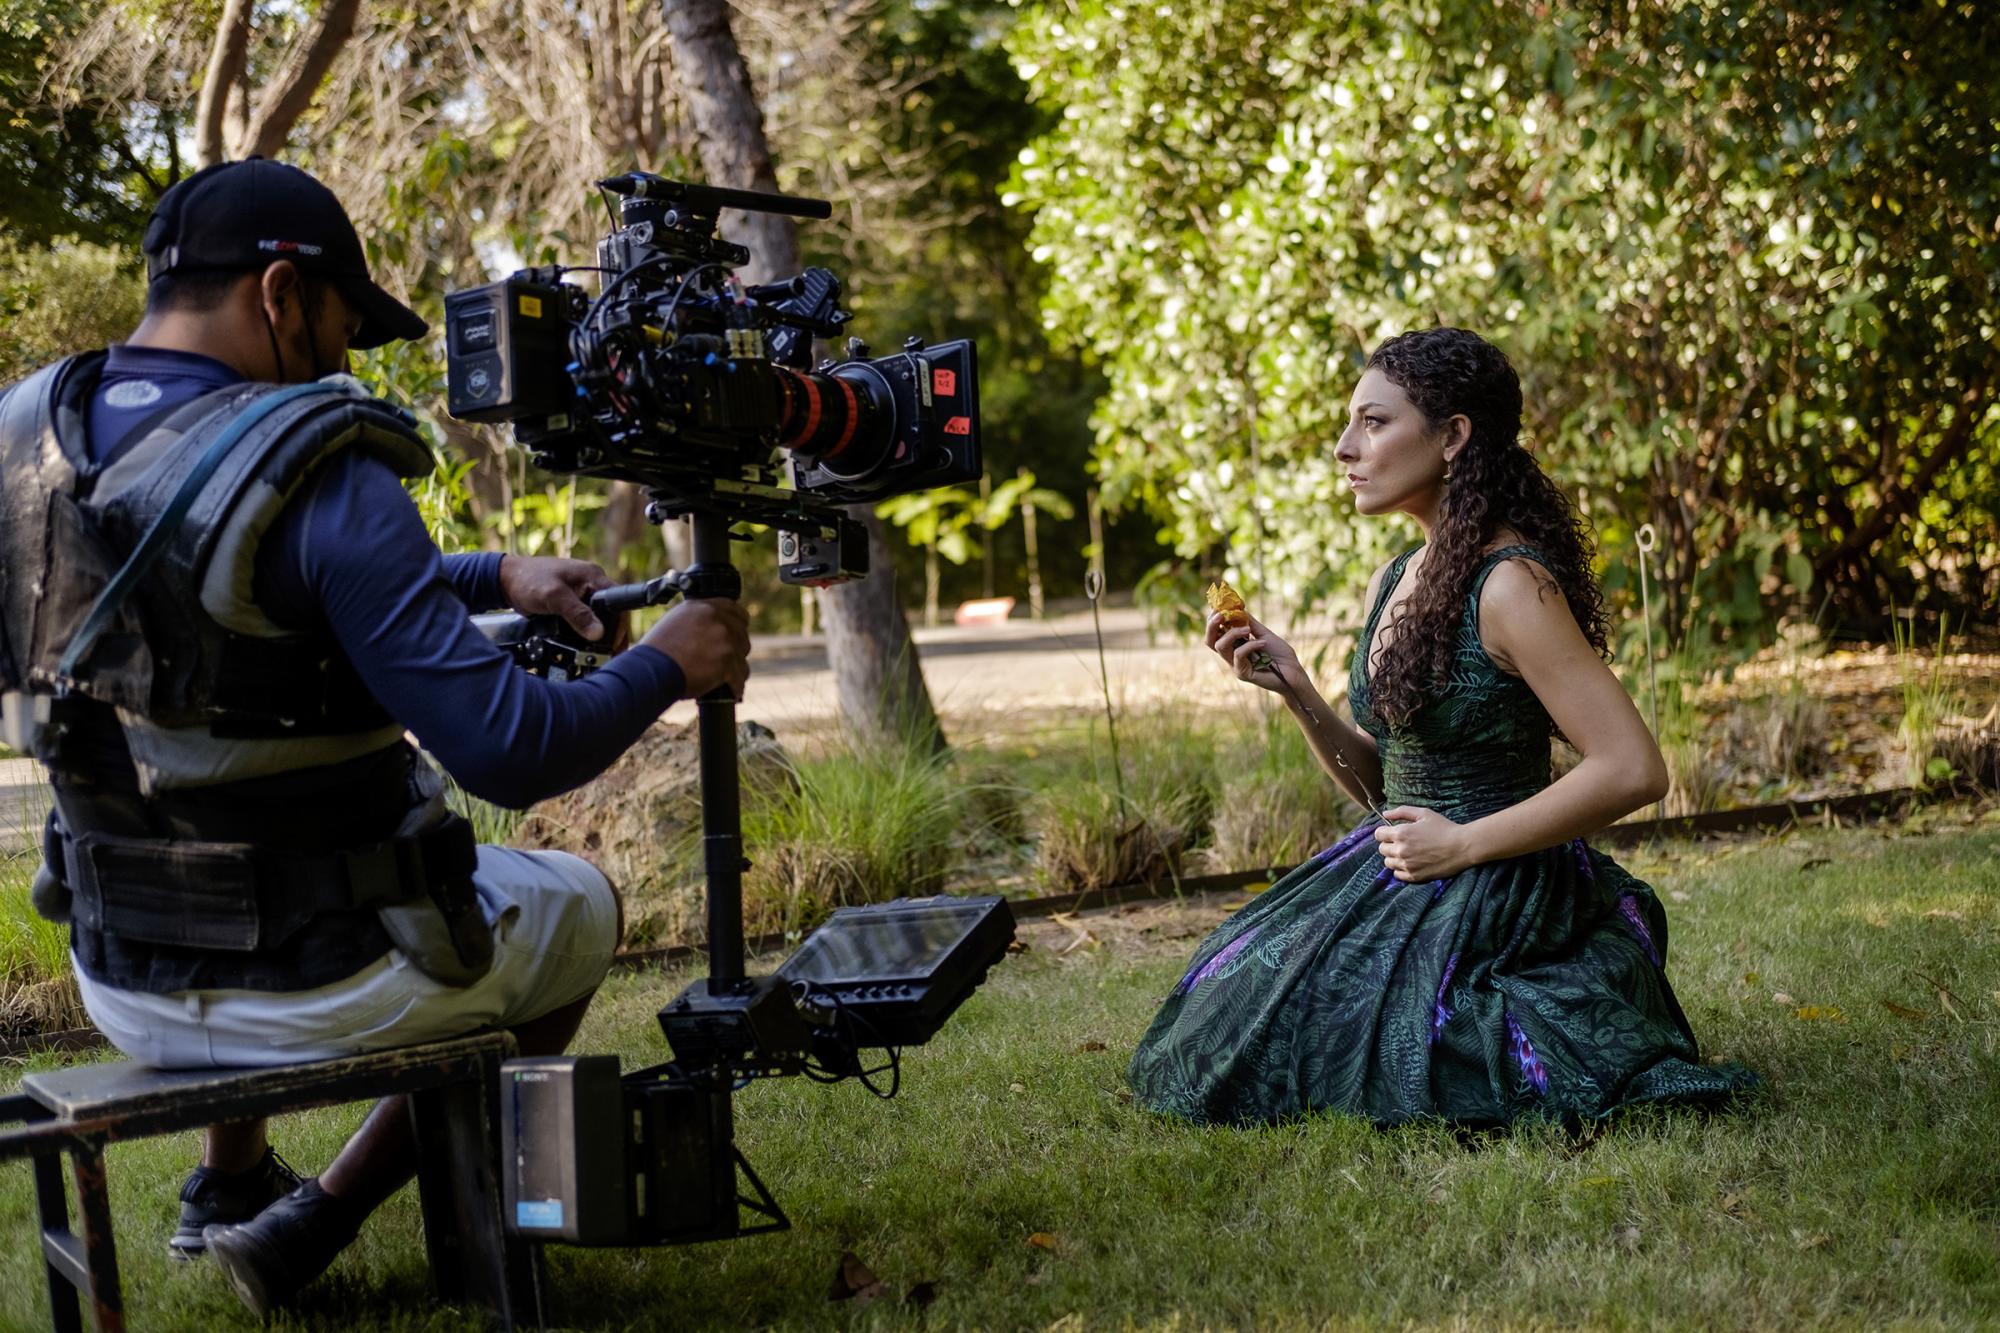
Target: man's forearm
<point x="475" y="579"/>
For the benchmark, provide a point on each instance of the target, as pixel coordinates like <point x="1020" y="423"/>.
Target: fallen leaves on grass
<point x="1904" y="1011"/>
<point x="1819" y="1013"/>
<point x="1080" y="936"/>
<point x="854" y="1281"/>
<point x="1089" y="1046"/>
<point x="1784" y="998"/>
<point x="1043" y="1240"/>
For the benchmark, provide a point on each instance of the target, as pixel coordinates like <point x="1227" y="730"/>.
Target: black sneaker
<point x="276" y="1253"/>
<point x="210" y="1197"/>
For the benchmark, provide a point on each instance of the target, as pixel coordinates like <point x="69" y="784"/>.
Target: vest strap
<point x="161" y="533"/>
<point x="240" y="897"/>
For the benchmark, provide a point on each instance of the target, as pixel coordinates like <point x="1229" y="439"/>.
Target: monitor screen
<point x="892" y="946"/>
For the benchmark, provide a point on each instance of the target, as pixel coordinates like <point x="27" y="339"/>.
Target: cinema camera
<point x="679" y="378"/>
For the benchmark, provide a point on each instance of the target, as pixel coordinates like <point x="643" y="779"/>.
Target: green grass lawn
<point x="1013" y="1179"/>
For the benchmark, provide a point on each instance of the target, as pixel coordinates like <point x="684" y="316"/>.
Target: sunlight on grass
<point x="1860" y="1191"/>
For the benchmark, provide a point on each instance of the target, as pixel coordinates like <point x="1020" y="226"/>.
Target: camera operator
<point x="257" y="867"/>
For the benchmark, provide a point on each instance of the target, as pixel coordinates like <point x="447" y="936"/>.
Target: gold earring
<point x="1447" y="472"/>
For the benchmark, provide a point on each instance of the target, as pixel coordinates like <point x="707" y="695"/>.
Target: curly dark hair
<point x="1494" y="483"/>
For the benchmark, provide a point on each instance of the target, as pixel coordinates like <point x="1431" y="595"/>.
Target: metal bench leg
<point x="100" y="1254"/>
<point x="437" y="1188"/>
<point x="65" y="1315"/>
<point x="472" y="1256"/>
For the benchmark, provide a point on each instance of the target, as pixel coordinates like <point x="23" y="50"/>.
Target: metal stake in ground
<point x="1093" y="588"/>
<point x="1645" y="539"/>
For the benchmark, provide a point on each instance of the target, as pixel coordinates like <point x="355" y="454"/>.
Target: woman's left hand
<point x="1419" y="844"/>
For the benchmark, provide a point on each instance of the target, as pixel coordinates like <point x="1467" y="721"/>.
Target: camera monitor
<point x="902" y="967"/>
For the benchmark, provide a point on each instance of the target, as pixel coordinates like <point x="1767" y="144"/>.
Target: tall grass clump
<point x="490" y="823"/>
<point x="1695" y="779"/>
<point x="1931" y="699"/>
<point x="1783" y="734"/>
<point x="857" y="826"/>
<point x="1276" y="806"/>
<point x="1095" y="825"/>
<point x="37" y="988"/>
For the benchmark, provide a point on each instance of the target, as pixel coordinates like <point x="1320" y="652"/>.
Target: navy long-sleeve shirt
<point x="350" y="555"/>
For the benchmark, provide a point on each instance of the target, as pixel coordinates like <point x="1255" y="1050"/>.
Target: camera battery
<point x="563" y="1134"/>
<point x="506" y="349"/>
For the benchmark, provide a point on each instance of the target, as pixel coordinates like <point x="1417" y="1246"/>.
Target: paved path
<point x="23" y="798"/>
<point x="1005" y="679"/>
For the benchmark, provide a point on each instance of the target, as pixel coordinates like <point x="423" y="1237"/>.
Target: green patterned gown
<point x="1530" y="986"/>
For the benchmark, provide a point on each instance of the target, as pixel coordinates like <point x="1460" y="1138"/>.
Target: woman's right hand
<point x="1240" y="646"/>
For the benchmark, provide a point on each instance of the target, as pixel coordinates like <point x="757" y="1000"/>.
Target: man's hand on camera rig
<point x="708" y="636"/>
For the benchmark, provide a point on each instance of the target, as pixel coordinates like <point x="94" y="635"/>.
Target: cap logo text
<point x="291" y="247"/>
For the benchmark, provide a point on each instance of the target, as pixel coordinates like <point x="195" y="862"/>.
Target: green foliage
<point x="1692" y="226"/>
<point x="949" y="519"/>
<point x="1931" y="695"/>
<point x="1094" y="824"/>
<point x="1276" y="805"/>
<point x="857" y="826"/>
<point x="58" y="300"/>
<point x="69" y="168"/>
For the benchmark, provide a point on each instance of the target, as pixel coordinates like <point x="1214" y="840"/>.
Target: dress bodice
<point x="1480" y="743"/>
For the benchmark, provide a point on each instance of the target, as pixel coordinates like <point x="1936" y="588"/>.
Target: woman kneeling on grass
<point x="1464" y="955"/>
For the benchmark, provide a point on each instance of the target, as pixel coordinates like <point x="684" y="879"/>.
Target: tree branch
<point x="279" y="109"/>
<point x="1899" y="498"/>
<point x="225" y="63"/>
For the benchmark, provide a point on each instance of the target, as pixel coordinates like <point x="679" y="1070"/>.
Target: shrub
<point x="1695" y="779"/>
<point x="1783" y="735"/>
<point x="1099" y="826"/>
<point x="1931" y="699"/>
<point x="37" y="988"/>
<point x="859" y="826"/>
<point x="1277" y="805"/>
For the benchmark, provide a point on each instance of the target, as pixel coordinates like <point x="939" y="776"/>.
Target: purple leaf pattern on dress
<point x="1208" y="969"/>
<point x="1347" y="844"/>
<point x="1628" y="907"/>
<point x="1385" y="878"/>
<point x="1524" y="1055"/>
<point x="1583" y="864"/>
<point x="1438" y="887"/>
<point x="1439" y="1014"/>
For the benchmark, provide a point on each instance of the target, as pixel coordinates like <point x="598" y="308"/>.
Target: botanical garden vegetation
<point x="1745" y="255"/>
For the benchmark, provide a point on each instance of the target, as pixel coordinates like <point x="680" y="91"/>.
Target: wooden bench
<point x="454" y="1089"/>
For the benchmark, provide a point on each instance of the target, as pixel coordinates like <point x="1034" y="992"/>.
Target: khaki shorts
<point x="555" y="924"/>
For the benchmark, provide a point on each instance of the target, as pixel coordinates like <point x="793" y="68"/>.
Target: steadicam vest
<point x="233" y="808"/>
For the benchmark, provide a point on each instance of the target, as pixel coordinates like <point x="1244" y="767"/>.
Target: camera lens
<point x="843" y="423"/>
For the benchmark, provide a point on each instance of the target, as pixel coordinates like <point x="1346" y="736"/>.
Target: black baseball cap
<point x="246" y="215"/>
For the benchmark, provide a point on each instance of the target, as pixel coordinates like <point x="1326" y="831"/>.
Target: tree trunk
<point x="623" y="524"/>
<point x="1034" y="560"/>
<point x="882" y="691"/>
